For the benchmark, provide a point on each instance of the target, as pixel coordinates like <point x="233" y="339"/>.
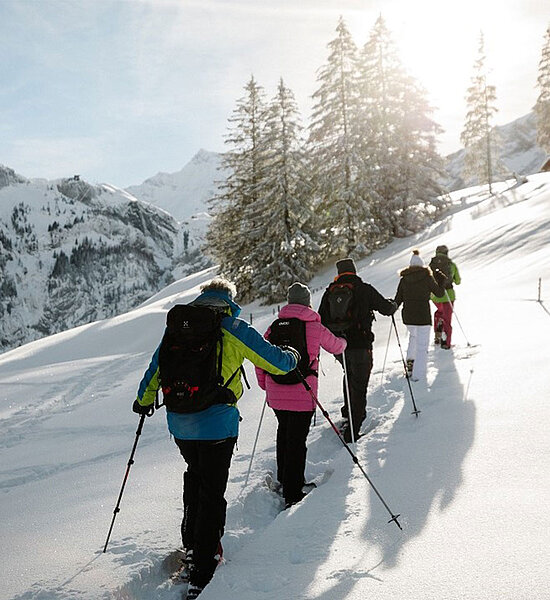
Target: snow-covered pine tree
<point x="281" y="219"/>
<point x="400" y="162"/>
<point x="228" y="238"/>
<point x="344" y="208"/>
<point x="542" y="106"/>
<point x="481" y="144"/>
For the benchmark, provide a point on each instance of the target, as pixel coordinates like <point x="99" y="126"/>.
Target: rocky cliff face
<point x="72" y="253"/>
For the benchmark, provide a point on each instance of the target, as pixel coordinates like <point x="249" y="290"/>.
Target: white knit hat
<point x="416" y="261"/>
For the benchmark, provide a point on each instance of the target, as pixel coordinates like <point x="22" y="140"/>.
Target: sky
<point x="469" y="477"/>
<point x="118" y="91"/>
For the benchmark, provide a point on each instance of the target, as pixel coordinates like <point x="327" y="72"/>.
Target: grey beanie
<point x="346" y="265"/>
<point x="298" y="293"/>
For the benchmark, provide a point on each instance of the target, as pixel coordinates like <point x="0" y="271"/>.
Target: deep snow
<point x="469" y="476"/>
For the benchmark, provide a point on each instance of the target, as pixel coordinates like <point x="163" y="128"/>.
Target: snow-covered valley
<point x="470" y="476"/>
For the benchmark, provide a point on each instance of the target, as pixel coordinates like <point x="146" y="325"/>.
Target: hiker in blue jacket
<point x="206" y="439"/>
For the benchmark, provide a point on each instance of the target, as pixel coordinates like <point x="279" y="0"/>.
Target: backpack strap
<point x="244" y="376"/>
<point x="226" y="384"/>
<point x="220" y="359"/>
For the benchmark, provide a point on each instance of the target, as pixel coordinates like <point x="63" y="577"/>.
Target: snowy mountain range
<point x="185" y="193"/>
<point x="519" y="151"/>
<point x="72" y="253"/>
<point x="470" y="476"/>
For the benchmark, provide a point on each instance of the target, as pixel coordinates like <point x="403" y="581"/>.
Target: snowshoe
<point x="180" y="574"/>
<point x="272" y="484"/>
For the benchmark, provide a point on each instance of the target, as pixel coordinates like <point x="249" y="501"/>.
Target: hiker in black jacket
<point x="415" y="287"/>
<point x="357" y="329"/>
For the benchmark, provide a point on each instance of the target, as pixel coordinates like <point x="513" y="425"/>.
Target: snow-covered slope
<point x="185" y="193"/>
<point x="470" y="476"/>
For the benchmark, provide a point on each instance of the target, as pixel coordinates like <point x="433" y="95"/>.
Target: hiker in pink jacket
<point x="292" y="403"/>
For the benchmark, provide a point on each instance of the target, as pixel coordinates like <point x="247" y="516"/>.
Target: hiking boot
<point x="292" y="501"/>
<point x="410" y="363"/>
<point x="437" y="339"/>
<point x="346" y="434"/>
<point x="445" y="346"/>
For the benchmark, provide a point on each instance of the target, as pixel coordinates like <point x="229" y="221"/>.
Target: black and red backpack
<point x="341" y="310"/>
<point x="190" y="359"/>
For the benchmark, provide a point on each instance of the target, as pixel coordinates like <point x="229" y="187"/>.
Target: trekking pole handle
<point x="158" y="404"/>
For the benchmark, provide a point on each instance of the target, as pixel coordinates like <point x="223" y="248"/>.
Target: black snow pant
<point x="358" y="369"/>
<point x="204" y="504"/>
<point x="291" y="451"/>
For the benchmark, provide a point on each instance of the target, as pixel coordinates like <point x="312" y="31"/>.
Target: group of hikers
<point x="198" y="366"/>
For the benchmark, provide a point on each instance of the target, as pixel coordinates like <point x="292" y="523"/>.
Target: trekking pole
<point x="453" y="312"/>
<point x="353" y="456"/>
<point x="348" y="397"/>
<point x="254" y="447"/>
<point x="130" y="463"/>
<point x="415" y="411"/>
<point x="385" y="357"/>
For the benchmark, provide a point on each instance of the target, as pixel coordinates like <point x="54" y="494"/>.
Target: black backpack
<point x="291" y="332"/>
<point x="443" y="264"/>
<point x="190" y="360"/>
<point x="342" y="314"/>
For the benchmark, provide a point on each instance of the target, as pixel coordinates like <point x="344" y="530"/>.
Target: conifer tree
<point x="481" y="162"/>
<point x="398" y="139"/>
<point x="344" y="208"/>
<point x="542" y="106"/>
<point x="284" y="248"/>
<point x="228" y="239"/>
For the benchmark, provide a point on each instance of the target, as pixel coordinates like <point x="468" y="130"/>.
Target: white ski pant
<point x="419" y="339"/>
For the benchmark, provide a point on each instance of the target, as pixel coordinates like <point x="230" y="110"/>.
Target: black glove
<point x="143" y="410"/>
<point x="294" y="351"/>
<point x="440" y="277"/>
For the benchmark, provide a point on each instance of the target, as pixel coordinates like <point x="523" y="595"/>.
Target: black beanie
<point x="442" y="250"/>
<point x="346" y="265"/>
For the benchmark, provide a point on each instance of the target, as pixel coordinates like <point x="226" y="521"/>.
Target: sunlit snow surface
<point x="470" y="476"/>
